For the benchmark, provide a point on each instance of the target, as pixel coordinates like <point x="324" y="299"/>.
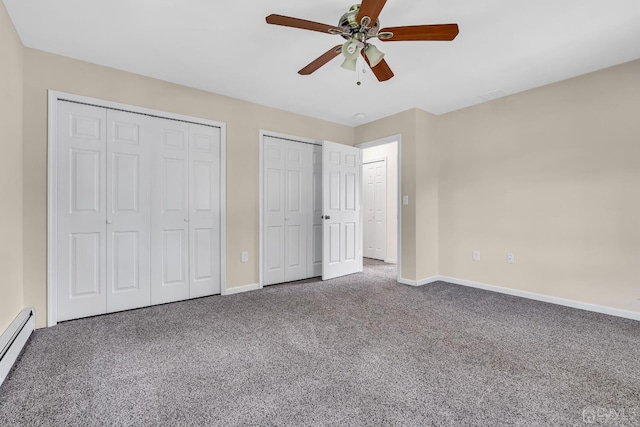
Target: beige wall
<point x="389" y="152"/>
<point x="418" y="259"/>
<point x="44" y="71"/>
<point x="427" y="217"/>
<point x="11" y="301"/>
<point x="552" y="176"/>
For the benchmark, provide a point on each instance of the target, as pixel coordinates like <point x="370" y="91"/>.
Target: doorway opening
<point x="380" y="202"/>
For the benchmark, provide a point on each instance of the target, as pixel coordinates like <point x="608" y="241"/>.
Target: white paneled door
<point x="288" y="210"/>
<point x="81" y="211"/>
<point x="297" y="209"/>
<point x="128" y="211"/>
<point x="315" y="266"/>
<point x="170" y="211"/>
<point x="273" y="205"/>
<point x="341" y="169"/>
<point x="375" y="209"/>
<point x="204" y="210"/>
<point x="138" y="210"/>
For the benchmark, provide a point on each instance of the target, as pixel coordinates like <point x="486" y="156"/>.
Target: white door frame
<point x="264" y="133"/>
<point x="52" y="260"/>
<point x="382" y="141"/>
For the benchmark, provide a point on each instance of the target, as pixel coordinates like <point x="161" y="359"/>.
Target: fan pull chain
<point x="358" y="61"/>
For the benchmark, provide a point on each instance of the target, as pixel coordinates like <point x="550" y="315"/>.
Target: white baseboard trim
<point x="538" y="297"/>
<point x="14" y="339"/>
<point x="418" y="282"/>
<point x="240" y="289"/>
<point x="391" y="261"/>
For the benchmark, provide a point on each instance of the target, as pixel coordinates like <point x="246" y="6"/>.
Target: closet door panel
<point x="174" y="264"/>
<point x="81" y="211"/>
<point x="128" y="210"/>
<point x="315" y="237"/>
<point x="274" y="211"/>
<point x="169" y="211"/>
<point x="204" y="210"/>
<point x="298" y="167"/>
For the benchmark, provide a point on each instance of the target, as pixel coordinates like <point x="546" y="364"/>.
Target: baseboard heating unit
<point x="14" y="339"/>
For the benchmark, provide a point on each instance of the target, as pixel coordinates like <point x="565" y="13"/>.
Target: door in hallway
<point x="375" y="209"/>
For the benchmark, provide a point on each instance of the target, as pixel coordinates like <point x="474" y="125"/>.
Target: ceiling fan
<point x="359" y="25"/>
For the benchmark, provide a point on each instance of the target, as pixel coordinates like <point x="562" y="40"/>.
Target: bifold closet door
<point x="287" y="210"/>
<point x="169" y="211"/>
<point x="81" y="211"/>
<point x="138" y="203"/>
<point x="185" y="211"/>
<point x="204" y="210"/>
<point x="128" y="210"/>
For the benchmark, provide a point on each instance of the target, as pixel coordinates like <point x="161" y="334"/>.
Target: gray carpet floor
<point x="359" y="350"/>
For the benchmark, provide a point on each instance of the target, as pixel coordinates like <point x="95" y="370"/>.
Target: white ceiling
<point x="226" y="47"/>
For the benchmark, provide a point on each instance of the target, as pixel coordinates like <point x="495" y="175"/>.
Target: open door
<point x="342" y="251"/>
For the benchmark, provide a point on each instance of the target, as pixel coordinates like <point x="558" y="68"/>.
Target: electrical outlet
<point x="244" y="256"/>
<point x="476" y="255"/>
<point x="511" y="259"/>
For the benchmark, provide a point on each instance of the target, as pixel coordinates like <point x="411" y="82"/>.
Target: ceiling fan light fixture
<point x="350" y="51"/>
<point x="350" y="64"/>
<point x="373" y="55"/>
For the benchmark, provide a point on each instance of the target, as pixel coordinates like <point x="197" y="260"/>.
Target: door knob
<point x="327" y="217"/>
<point x="109" y="221"/>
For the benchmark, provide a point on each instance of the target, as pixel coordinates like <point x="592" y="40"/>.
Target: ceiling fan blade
<point x="370" y="8"/>
<point x="321" y="60"/>
<point x="287" y="21"/>
<point x="381" y="71"/>
<point x="443" y="32"/>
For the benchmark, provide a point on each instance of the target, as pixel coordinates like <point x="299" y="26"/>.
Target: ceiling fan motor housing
<point x="349" y="22"/>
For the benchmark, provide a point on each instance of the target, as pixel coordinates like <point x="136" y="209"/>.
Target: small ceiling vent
<point x="494" y="95"/>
